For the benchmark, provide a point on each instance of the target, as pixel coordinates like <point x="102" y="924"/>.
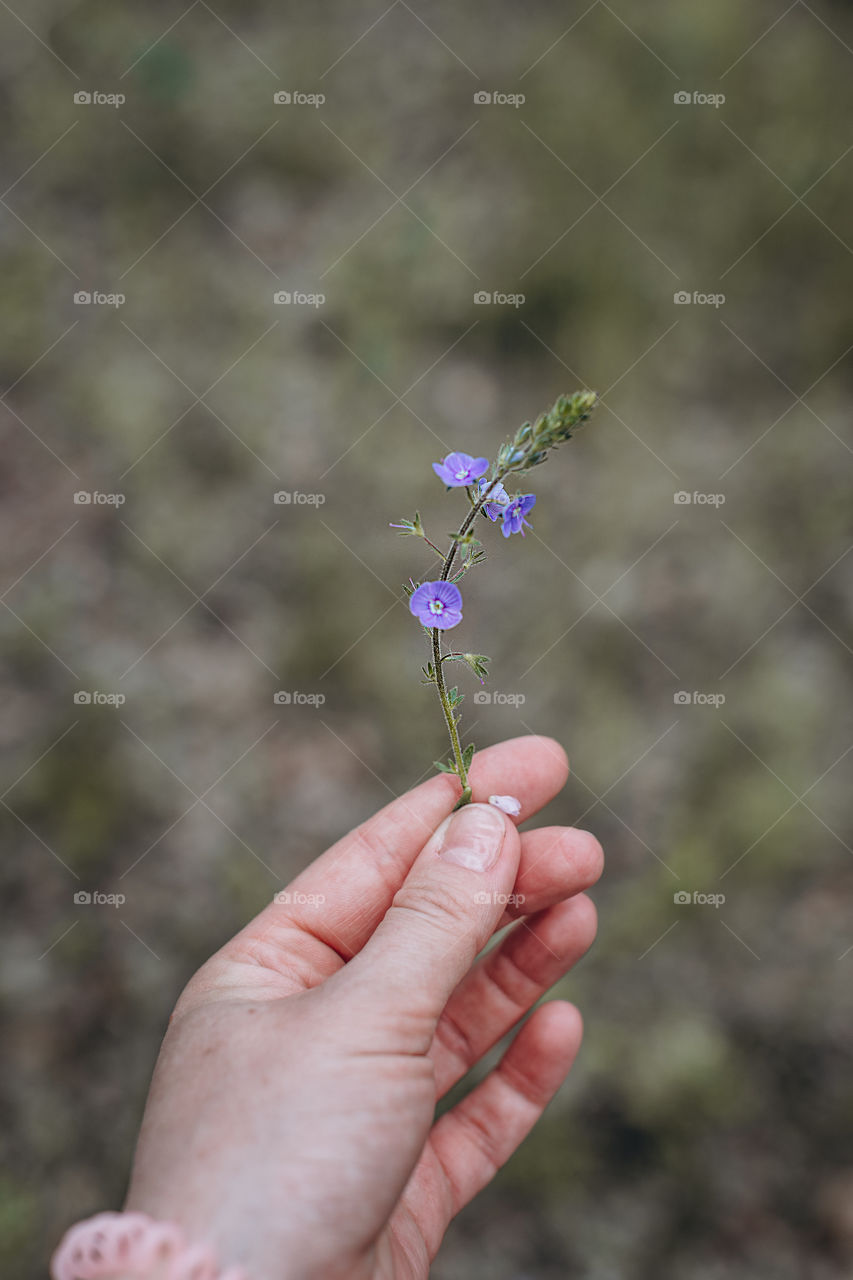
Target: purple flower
<point x="514" y="521"/>
<point x="498" y="498"/>
<point x="460" y="469"/>
<point x="437" y="604"/>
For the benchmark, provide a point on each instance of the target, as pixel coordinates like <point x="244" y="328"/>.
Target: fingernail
<point x="474" y="838"/>
<point x="507" y="804"/>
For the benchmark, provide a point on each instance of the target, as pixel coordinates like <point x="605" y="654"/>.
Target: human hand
<point x="290" y="1122"/>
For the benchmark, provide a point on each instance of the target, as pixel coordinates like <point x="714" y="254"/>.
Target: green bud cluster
<point x="533" y="441"/>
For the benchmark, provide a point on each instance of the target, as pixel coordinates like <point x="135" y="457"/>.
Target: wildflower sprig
<point x="437" y="602"/>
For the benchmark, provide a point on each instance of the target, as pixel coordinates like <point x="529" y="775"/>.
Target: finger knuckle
<point x="436" y="904"/>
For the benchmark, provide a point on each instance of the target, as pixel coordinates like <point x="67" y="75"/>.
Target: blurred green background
<point x="706" y="1131"/>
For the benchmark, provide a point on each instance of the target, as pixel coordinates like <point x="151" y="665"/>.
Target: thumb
<point x="442" y="916"/>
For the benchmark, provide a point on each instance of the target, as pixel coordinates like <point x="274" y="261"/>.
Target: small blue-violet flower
<point x="513" y="516"/>
<point x="460" y="469"/>
<point x="437" y="604"/>
<point x="498" y="498"/>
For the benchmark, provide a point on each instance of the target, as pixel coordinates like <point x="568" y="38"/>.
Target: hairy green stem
<point x="438" y="660"/>
<point x="449" y="718"/>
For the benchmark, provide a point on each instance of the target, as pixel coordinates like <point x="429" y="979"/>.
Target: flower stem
<point x="449" y="718"/>
<point x="438" y="660"/>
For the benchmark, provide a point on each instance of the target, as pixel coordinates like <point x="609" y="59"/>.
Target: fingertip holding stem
<point x="464" y="799"/>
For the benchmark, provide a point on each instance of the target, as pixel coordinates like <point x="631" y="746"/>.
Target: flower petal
<point x="449" y="593"/>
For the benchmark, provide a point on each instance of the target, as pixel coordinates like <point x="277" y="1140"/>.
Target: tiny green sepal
<point x="479" y="664"/>
<point x="411" y="528"/>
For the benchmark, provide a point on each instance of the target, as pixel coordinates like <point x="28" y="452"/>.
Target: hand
<point x="290" y="1120"/>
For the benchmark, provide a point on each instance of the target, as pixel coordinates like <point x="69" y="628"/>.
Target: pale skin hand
<point x="290" y="1122"/>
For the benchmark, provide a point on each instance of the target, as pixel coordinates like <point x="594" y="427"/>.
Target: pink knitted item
<point x="118" y="1244"/>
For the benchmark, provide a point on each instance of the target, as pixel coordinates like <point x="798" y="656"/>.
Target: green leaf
<point x="446" y="768"/>
<point x="468" y="755"/>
